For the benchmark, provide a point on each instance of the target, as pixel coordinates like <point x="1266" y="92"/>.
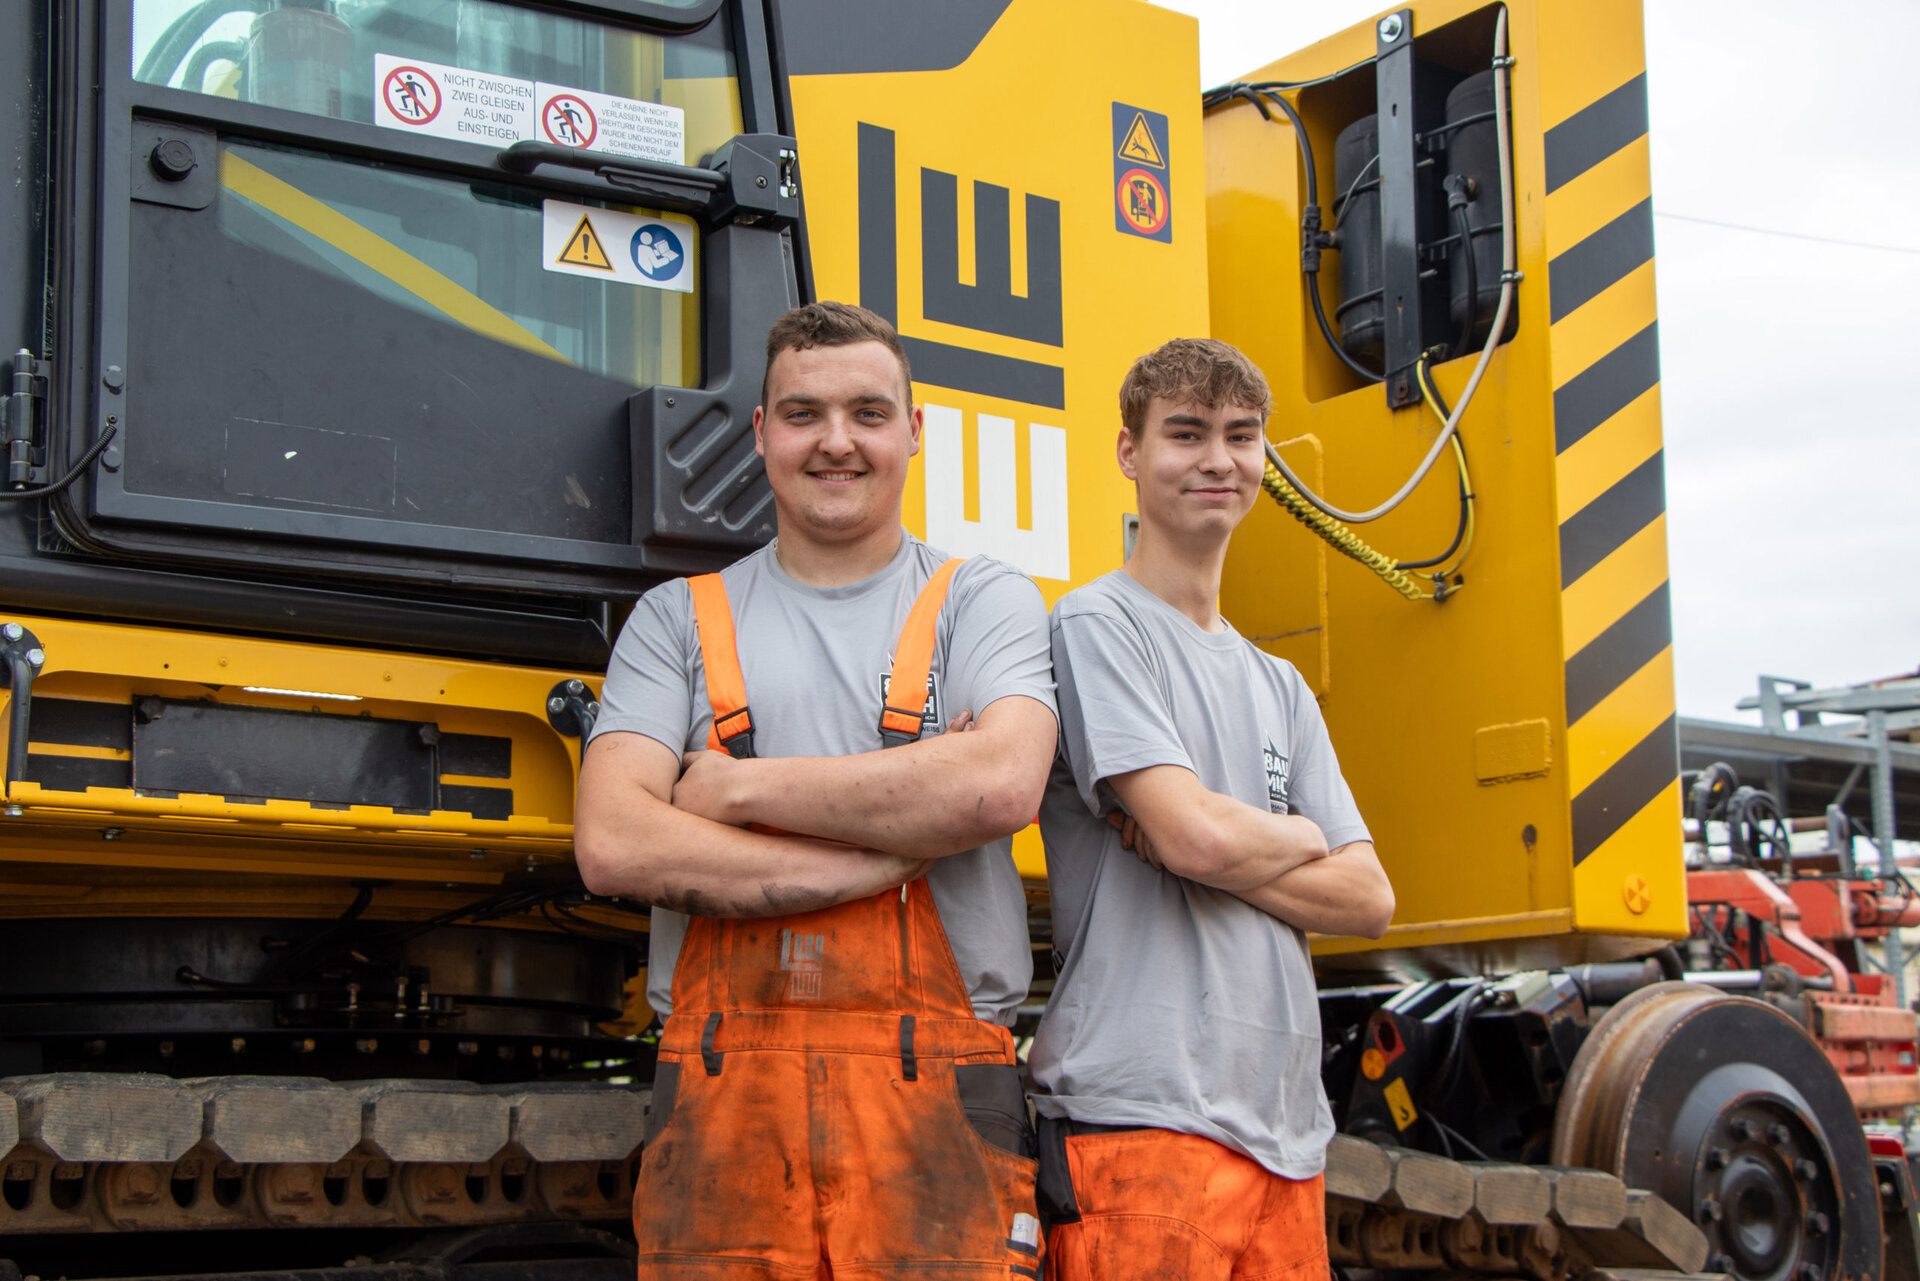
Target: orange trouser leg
<point x="915" y="1191"/>
<point x="797" y="1163"/>
<point x="1160" y="1206"/>
<point x="726" y="1186"/>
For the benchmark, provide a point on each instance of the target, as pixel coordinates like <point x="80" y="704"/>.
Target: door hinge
<point x="23" y="419"/>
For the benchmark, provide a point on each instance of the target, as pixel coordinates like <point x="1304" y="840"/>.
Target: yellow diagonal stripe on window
<point x="244" y="178"/>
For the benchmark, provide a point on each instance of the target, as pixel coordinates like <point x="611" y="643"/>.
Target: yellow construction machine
<point x="371" y="357"/>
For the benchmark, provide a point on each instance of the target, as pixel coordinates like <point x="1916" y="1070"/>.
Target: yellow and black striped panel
<point x="1616" y="615"/>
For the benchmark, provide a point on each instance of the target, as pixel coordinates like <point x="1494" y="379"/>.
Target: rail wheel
<point x="1727" y="1109"/>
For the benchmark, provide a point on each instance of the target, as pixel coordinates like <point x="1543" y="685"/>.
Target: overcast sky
<point x="1792" y="437"/>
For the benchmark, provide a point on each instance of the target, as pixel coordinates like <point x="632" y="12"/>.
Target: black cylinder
<point x="1360" y="313"/>
<point x="1473" y="152"/>
<point x="1610" y="982"/>
<point x="299" y="57"/>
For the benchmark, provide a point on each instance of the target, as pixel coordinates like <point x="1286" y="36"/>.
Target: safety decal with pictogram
<point x="584" y="248"/>
<point x="655" y="251"/>
<point x="569" y="121"/>
<point x="411" y="96"/>
<point x="1142" y="173"/>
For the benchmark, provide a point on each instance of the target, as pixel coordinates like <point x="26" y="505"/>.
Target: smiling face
<point x="1197" y="469"/>
<point x="837" y="429"/>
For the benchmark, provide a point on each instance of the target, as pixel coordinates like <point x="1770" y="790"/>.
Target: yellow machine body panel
<point x="101" y="836"/>
<point x="1021" y="418"/>
<point x="1513" y="746"/>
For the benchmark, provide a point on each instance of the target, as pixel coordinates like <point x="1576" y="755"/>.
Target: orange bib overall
<point x="811" y="1104"/>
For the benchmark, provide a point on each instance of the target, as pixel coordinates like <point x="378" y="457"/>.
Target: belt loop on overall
<point x="708" y="1055"/>
<point x="909" y="1065"/>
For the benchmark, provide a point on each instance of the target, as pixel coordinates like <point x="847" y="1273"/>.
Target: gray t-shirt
<point x="814" y="660"/>
<point x="1179" y="1006"/>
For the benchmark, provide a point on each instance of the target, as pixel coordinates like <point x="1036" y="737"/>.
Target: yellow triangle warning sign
<point x="584" y="249"/>
<point x="1139" y="144"/>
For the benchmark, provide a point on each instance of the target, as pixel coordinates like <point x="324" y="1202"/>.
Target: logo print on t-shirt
<point x="1276" y="766"/>
<point x="930" y="712"/>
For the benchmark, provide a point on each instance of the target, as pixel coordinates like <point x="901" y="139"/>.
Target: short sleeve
<point x="997" y="639"/>
<point x="1316" y="789"/>
<point x="1114" y="714"/>
<point x="650" y="686"/>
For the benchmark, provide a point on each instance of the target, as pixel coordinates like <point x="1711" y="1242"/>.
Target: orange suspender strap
<point x="912" y="660"/>
<point x="726" y="688"/>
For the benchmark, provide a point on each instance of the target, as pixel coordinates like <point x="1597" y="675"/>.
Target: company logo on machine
<point x="576" y="240"/>
<point x="569" y="121"/>
<point x="929" y="711"/>
<point x="1142" y="173"/>
<point x="1041" y="547"/>
<point x="412" y="96"/>
<point x="1277" y="771"/>
<point x="657" y="252"/>
<point x="984" y="305"/>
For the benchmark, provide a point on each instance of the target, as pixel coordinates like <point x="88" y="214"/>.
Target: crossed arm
<point x="863" y="823"/>
<point x="924" y="800"/>
<point x="1279" y="863"/>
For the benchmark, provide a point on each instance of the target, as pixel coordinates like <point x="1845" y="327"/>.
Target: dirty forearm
<point x="629" y="841"/>
<point x="923" y="800"/>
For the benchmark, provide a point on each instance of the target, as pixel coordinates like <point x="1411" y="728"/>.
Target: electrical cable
<point x="79" y="468"/>
<point x="1459" y="1138"/>
<point x="1310" y="246"/>
<point x="1345" y="541"/>
<point x="1222" y="92"/>
<point x="1326" y="332"/>
<point x="1336" y="535"/>
<point x="1310" y="234"/>
<point x="1345" y="202"/>
<point x="1508" y="278"/>
<point x="1464" y="530"/>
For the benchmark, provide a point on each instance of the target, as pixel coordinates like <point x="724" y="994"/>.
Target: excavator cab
<point x="446" y="290"/>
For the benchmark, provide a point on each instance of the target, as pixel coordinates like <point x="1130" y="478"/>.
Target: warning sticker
<point x="1142" y="173"/>
<point x="1139" y="145"/>
<point x="1400" y="1103"/>
<point x="1142" y="200"/>
<point x="618" y="126"/>
<point x="583" y="248"/>
<point x="446" y="102"/>
<point x="568" y="120"/>
<point x="412" y="96"/>
<point x="605" y="244"/>
<point x="475" y="106"/>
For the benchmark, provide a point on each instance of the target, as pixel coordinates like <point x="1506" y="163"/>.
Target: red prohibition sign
<point x="412" y="95"/>
<point x="1143" y="201"/>
<point x="569" y="121"/>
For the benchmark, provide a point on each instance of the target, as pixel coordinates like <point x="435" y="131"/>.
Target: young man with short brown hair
<point x="839" y="937"/>
<point x="1196" y="825"/>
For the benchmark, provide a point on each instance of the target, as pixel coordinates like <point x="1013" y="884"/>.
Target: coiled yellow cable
<point x="1338" y="536"/>
<point x="1348" y="543"/>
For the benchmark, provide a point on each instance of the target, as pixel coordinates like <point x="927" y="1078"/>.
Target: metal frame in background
<point x="1774" y="749"/>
